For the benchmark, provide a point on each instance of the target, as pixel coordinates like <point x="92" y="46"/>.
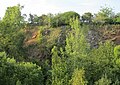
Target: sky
<point x="40" y="7"/>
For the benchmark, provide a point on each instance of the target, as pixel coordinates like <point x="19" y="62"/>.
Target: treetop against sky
<point x="57" y="6"/>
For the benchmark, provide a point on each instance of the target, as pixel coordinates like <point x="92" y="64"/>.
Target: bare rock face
<point x="106" y="33"/>
<point x="93" y="38"/>
<point x="111" y="33"/>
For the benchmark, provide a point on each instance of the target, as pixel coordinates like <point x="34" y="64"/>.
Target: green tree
<point x="87" y="17"/>
<point x="117" y="18"/>
<point x="31" y="19"/>
<point x="78" y="77"/>
<point x="103" y="81"/>
<point x="76" y="45"/>
<point x="101" y="60"/>
<point x="59" y="69"/>
<point x="34" y="20"/>
<point x="10" y="30"/>
<point x="117" y="51"/>
<point x="76" y="49"/>
<point x="104" y="15"/>
<point x="20" y="73"/>
<point x="64" y="18"/>
<point x="117" y="55"/>
<point x="13" y="17"/>
<point x="45" y="20"/>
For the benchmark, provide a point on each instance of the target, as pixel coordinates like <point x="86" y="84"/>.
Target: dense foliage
<point x="56" y="49"/>
<point x="19" y="73"/>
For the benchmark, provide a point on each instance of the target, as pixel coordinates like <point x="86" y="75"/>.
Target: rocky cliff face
<point x="93" y="38"/>
<point x="111" y="33"/>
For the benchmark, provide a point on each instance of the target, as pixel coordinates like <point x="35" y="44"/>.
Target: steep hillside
<point x="40" y="40"/>
<point x="103" y="33"/>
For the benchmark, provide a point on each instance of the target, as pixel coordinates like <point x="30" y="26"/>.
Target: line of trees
<point x="104" y="16"/>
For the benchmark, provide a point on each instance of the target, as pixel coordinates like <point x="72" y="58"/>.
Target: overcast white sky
<point x="57" y="6"/>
